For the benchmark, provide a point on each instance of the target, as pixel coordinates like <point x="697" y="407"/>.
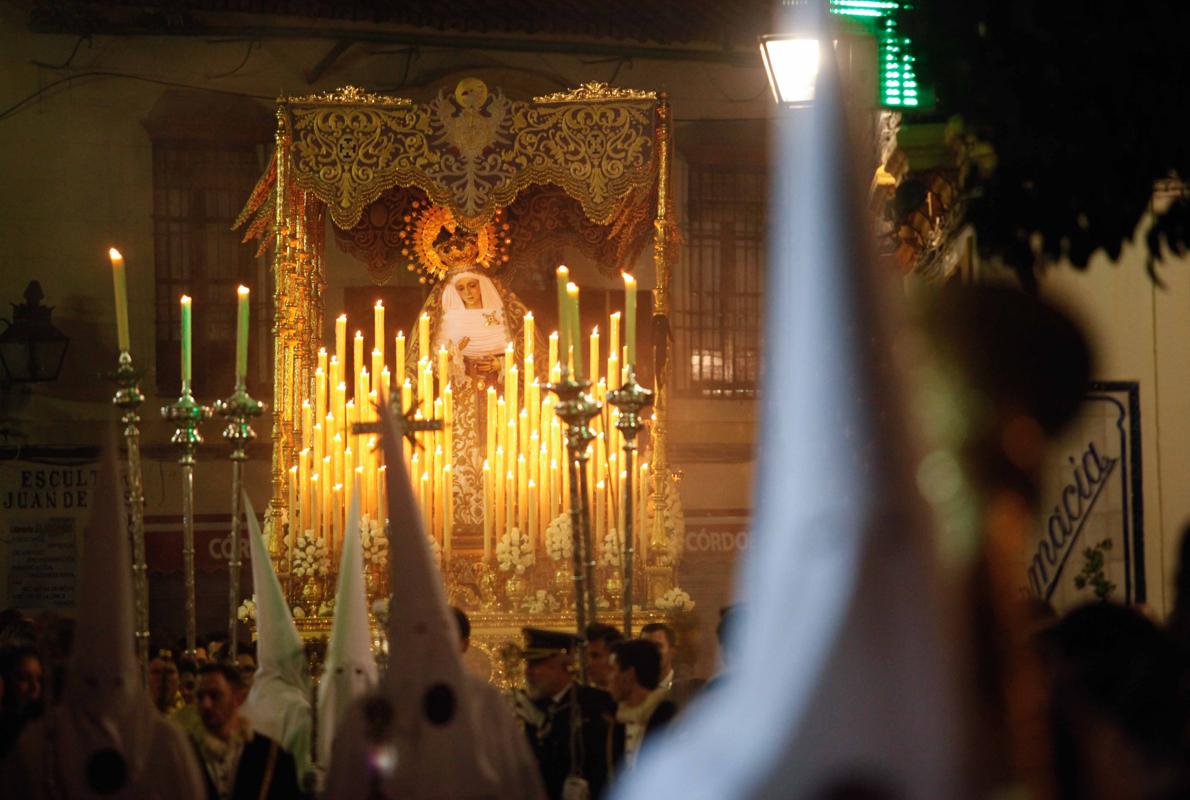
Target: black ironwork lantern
<point x="31" y="348"/>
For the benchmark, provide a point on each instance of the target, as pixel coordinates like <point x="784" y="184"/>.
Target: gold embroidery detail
<point x="595" y="92"/>
<point x="348" y="95"/>
<point x="472" y="150"/>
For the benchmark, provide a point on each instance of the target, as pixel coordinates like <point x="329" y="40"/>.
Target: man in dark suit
<point x="238" y="764"/>
<point x="546" y="708"/>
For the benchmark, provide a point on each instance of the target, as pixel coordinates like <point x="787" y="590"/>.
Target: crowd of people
<point x="1118" y="683"/>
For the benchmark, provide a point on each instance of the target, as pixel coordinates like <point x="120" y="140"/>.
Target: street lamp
<point x="793" y="54"/>
<point x="31" y="348"/>
<point x="791" y="62"/>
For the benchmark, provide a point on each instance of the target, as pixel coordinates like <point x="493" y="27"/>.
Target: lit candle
<point x="377" y="364"/>
<point x="555" y="486"/>
<point x="490" y="433"/>
<point x="498" y="486"/>
<point x="303" y="466"/>
<point x="242" y="335"/>
<point x="528" y="327"/>
<point x="423" y="336"/>
<point x="563" y="276"/>
<point x="340" y="342"/>
<point x="510" y="390"/>
<point x="510" y="500"/>
<point x="594" y="342"/>
<point x="362" y="388"/>
<point x="313" y="525"/>
<point x="293" y="504"/>
<point x="553" y="351"/>
<point x="522" y="492"/>
<point x="572" y="316"/>
<point x="378" y="327"/>
<point x="400" y="355"/>
<point x="532" y="512"/>
<point x="488" y="500"/>
<point x="186" y="331"/>
<point x="443" y="367"/>
<point x="307" y="423"/>
<point x="630" y="317"/>
<point x="120" y="285"/>
<point x="509" y="356"/>
<point x="357" y="352"/>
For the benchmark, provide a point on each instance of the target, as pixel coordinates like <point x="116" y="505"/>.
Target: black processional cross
<point x="406" y="423"/>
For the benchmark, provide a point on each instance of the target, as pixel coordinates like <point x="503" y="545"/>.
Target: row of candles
<point x="525" y="482"/>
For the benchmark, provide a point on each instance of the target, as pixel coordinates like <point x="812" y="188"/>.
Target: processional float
<point x="586" y="169"/>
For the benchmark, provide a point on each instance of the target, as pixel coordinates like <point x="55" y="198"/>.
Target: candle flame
<point x="629" y="280"/>
<point x="341" y="318"/>
<point x="379" y="304"/>
<point x="563" y="270"/>
<point x="114" y="254"/>
<point x="242" y="290"/>
<point x="359" y="334"/>
<point x="185" y="300"/>
<point x="572" y="289"/>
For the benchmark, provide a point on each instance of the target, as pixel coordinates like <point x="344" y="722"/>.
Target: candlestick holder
<point x="187" y="415"/>
<point x="631" y="398"/>
<point x="128" y="399"/>
<point x="576" y="408"/>
<point x="238" y="409"/>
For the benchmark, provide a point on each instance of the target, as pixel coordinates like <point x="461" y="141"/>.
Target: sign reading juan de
<point x="1089" y="542"/>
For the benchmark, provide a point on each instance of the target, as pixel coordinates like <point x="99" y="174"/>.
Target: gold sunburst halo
<point x="422" y="228"/>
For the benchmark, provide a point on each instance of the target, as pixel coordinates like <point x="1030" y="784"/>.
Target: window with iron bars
<point x="198" y="189"/>
<point x="717" y="297"/>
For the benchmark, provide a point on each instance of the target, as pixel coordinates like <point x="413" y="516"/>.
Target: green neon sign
<point x="898" y="84"/>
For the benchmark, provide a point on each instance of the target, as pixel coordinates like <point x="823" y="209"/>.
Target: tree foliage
<point x="1083" y="106"/>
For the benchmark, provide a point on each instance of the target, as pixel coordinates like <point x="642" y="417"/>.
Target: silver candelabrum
<point x="128" y="399"/>
<point x="239" y="409"/>
<point x="576" y="408"/>
<point x="187" y="415"/>
<point x="631" y="398"/>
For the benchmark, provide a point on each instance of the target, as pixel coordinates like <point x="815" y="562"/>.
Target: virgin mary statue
<point x="474" y="317"/>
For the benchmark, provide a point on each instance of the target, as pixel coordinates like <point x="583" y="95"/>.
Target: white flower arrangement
<point x="609" y="553"/>
<point x="559" y="542"/>
<point x="540" y="602"/>
<point x="310" y="556"/>
<point x="326" y="608"/>
<point x="675" y="600"/>
<point x="374" y="540"/>
<point x="513" y="552"/>
<point x="247" y="610"/>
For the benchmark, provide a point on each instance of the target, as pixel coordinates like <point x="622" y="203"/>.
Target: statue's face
<point x="468" y="289"/>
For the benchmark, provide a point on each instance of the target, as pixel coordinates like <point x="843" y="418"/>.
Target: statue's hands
<point x="488" y="365"/>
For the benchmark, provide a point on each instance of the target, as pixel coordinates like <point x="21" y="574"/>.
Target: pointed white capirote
<point x="350" y="668"/>
<point x="843" y="675"/>
<point x="278" y="703"/>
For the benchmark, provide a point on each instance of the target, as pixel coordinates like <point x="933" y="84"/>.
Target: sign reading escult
<point x="1091" y="500"/>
